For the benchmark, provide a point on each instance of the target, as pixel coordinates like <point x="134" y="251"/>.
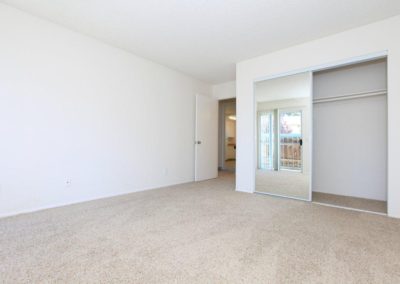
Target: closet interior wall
<point x="350" y="130"/>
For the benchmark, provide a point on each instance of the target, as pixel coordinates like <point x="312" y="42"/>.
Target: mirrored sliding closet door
<point x="283" y="136"/>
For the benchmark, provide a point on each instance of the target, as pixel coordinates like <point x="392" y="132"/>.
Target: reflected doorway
<point x="290" y="140"/>
<point x="285" y="152"/>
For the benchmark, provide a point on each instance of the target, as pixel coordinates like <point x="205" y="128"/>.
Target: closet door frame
<point x="361" y="95"/>
<point x="276" y="113"/>
<point x="311" y="70"/>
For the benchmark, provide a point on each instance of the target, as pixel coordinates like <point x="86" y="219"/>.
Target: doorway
<point x="227" y="135"/>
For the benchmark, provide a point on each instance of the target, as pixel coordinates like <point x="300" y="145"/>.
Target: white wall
<point x="224" y="91"/>
<point x="81" y="120"/>
<point x="378" y="38"/>
<point x="288" y="87"/>
<point x="350" y="136"/>
<point x="350" y="148"/>
<point x="351" y="79"/>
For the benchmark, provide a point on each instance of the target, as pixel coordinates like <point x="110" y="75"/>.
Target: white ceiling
<point x="204" y="38"/>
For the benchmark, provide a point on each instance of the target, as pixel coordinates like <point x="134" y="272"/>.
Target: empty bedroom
<point x="199" y="141"/>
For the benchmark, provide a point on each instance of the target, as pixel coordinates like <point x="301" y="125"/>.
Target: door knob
<point x="197" y="142"/>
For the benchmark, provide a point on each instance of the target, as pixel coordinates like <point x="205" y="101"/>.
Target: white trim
<point x="255" y="140"/>
<point x="223" y="129"/>
<point x="62" y="204"/>
<point x="321" y="204"/>
<point x="311" y="134"/>
<point x="195" y="136"/>
<point x="349" y="208"/>
<point x="282" y="196"/>
<point x="326" y="66"/>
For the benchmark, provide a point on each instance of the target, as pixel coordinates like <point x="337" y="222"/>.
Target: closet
<point x="350" y="136"/>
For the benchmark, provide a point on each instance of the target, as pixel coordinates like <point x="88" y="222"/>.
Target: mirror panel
<point x="283" y="136"/>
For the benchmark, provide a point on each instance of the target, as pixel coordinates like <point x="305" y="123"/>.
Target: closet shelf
<point x="351" y="96"/>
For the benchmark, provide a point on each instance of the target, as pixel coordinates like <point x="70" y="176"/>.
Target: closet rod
<point x="351" y="96"/>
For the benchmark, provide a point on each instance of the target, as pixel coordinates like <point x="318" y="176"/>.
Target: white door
<point x="206" y="138"/>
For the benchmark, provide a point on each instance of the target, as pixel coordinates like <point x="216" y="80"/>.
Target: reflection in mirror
<point x="230" y="136"/>
<point x="283" y="136"/>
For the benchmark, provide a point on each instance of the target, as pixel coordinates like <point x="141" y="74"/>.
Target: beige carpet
<point x="350" y="202"/>
<point x="199" y="233"/>
<point x="285" y="183"/>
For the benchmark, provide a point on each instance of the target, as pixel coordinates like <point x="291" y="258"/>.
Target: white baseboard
<point x="57" y="205"/>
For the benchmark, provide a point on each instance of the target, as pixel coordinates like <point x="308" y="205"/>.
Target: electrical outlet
<point x="68" y="183"/>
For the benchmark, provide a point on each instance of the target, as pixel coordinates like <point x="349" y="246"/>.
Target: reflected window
<point x="266" y="140"/>
<point x="290" y="140"/>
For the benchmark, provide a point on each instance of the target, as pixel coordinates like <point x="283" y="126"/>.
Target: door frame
<point x="222" y="124"/>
